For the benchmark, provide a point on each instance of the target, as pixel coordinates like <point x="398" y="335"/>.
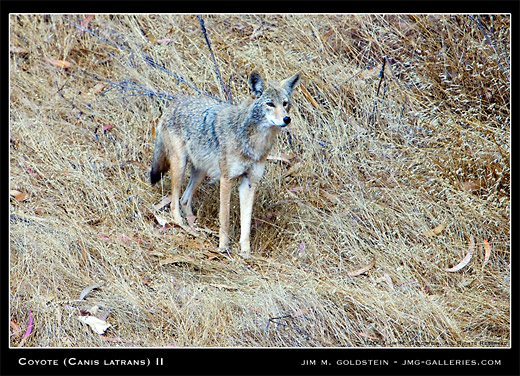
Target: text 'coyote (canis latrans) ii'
<point x="223" y="141"/>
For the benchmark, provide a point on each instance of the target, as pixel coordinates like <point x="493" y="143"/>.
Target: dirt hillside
<point x="394" y="169"/>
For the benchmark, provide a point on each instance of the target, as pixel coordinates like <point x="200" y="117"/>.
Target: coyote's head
<point x="272" y="100"/>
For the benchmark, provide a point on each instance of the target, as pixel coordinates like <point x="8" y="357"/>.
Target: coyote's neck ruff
<point x="222" y="141"/>
<point x="257" y="140"/>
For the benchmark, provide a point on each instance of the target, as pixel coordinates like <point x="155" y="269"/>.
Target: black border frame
<point x="258" y="361"/>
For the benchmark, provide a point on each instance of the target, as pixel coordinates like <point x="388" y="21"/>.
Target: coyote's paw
<point x="191" y="219"/>
<point x="245" y="247"/>
<point x="245" y="253"/>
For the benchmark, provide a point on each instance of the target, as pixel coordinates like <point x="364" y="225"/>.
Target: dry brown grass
<point x="377" y="163"/>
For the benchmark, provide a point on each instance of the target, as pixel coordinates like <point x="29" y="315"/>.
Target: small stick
<point x="217" y="71"/>
<point x="381" y="75"/>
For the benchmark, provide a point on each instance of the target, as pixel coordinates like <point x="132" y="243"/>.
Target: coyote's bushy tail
<point x="160" y="162"/>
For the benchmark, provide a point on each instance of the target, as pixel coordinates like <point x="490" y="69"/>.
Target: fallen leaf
<point x="222" y="286"/>
<point x="191" y="219"/>
<point x="88" y="289"/>
<point x="370" y="73"/>
<point x="212" y="255"/>
<point x="330" y="196"/>
<point x="28" y="331"/>
<point x="281" y="157"/>
<point x="18" y="50"/>
<point x="435" y="231"/>
<point x="21" y="197"/>
<point x="301" y="312"/>
<point x="152" y="252"/>
<point x="438" y="229"/>
<point x="97" y="325"/>
<point x="387" y="279"/>
<point x="103" y="236"/>
<point x="362" y="270"/>
<point x="165" y="201"/>
<point x="487" y="252"/>
<point x="93" y="311"/>
<point x="367" y="336"/>
<point x="123" y="238"/>
<point x="59" y="63"/>
<point x="30" y="325"/>
<point x="304" y="172"/>
<point x="164" y="41"/>
<point x="466" y="259"/>
<point x="98" y="88"/>
<point x="18" y="196"/>
<point x="470" y="185"/>
<point x="162" y="221"/>
<point x="177" y="259"/>
<point x="84" y="23"/>
<point x="17" y="330"/>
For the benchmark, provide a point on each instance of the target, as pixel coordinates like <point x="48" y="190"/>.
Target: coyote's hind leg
<point x="178" y="158"/>
<point x="197" y="176"/>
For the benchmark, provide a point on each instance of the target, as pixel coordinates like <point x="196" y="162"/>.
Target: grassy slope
<point x="376" y="163"/>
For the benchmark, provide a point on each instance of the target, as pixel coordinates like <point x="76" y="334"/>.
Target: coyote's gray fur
<point x="222" y="141"/>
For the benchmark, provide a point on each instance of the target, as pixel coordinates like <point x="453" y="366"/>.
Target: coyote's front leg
<point x="247" y="196"/>
<point x="225" y="197"/>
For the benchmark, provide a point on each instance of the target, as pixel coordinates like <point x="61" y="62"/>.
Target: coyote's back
<point x="221" y="141"/>
<point x="192" y="120"/>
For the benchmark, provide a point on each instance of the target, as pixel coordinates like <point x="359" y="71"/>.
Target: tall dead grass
<point x="402" y="125"/>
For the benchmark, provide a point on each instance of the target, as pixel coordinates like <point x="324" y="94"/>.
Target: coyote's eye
<point x="270" y="104"/>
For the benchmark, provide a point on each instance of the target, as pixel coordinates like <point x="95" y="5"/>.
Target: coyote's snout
<point x="222" y="141"/>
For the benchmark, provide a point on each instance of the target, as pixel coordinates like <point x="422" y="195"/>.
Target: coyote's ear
<point x="256" y="84"/>
<point x="289" y="84"/>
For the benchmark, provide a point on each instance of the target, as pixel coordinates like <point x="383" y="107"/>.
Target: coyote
<point x="223" y="141"/>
